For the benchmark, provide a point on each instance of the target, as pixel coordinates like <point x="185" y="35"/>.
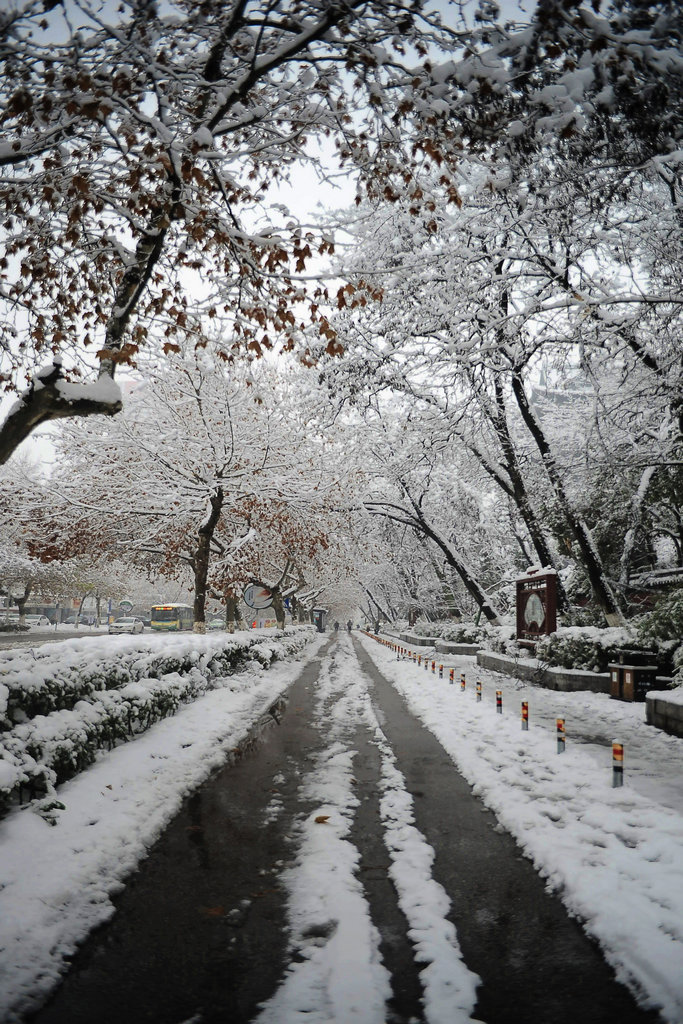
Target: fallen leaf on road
<point x="321" y="819"/>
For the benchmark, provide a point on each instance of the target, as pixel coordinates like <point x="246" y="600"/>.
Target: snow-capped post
<point x="561" y="736"/>
<point x="433" y="667"/>
<point x="451" y="676"/>
<point x="478" y="689"/>
<point x="440" y="671"/>
<point x="617" y="764"/>
<point x="525" y="716"/>
<point x="463" y="682"/>
<point x="419" y="659"/>
<point x="426" y="663"/>
<point x="499" y="702"/>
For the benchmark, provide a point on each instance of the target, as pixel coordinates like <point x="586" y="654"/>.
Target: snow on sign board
<point x="257" y="596"/>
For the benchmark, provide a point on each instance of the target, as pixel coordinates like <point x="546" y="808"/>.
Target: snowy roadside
<point x="56" y="882"/>
<point x="615" y="856"/>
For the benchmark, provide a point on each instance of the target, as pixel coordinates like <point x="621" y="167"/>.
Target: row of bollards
<point x="617" y="745"/>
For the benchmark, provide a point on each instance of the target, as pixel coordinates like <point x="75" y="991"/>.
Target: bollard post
<point x="419" y="659"/>
<point x="440" y="671"/>
<point x="462" y="682"/>
<point x="561" y="736"/>
<point x="451" y="676"/>
<point x="617" y="764"/>
<point x="499" y="701"/>
<point x="433" y="667"/>
<point x="525" y="715"/>
<point x="478" y="689"/>
<point x="426" y="663"/>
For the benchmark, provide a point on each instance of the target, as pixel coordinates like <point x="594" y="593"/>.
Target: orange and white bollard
<point x="499" y="702"/>
<point x="433" y="667"/>
<point x="451" y="676"/>
<point x="478" y="689"/>
<point x="419" y="659"/>
<point x="617" y="764"/>
<point x="440" y="671"/>
<point x="463" y="682"/>
<point x="561" y="736"/>
<point x="525" y="716"/>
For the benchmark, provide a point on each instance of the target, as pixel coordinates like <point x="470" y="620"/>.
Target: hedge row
<point x="55" y="677"/>
<point x="102" y="705"/>
<point x="594" y="649"/>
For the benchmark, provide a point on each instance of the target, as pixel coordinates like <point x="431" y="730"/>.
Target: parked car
<point x="216" y="624"/>
<point x="79" y="620"/>
<point x="37" y="620"/>
<point x="127" y="624"/>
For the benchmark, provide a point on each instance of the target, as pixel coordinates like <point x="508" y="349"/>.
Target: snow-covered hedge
<point x="593" y="649"/>
<point x="62" y="703"/>
<point x="455" y="632"/>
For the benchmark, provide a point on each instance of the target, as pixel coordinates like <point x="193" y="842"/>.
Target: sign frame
<point x="257" y="596"/>
<point x="536" y="595"/>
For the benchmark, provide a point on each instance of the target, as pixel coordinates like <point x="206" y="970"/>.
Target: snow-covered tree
<point x="143" y="147"/>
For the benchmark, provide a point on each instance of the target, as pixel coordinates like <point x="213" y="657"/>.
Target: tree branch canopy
<point x="141" y="143"/>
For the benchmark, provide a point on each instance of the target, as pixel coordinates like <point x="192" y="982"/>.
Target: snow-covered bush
<point x="465" y="633"/>
<point x="664" y="622"/>
<point x="678" y="667"/>
<point x="424" y="628"/>
<point x="99" y="694"/>
<point x="47" y="680"/>
<point x="586" y="647"/>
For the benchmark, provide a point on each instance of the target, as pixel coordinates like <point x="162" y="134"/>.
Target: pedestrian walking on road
<point x="348" y="625"/>
<point x="336" y="627"/>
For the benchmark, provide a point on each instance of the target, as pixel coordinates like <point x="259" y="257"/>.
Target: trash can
<point x="630" y="680"/>
<point x="319" y="619"/>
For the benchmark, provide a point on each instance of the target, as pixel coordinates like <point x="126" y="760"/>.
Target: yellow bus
<point x="171" y="616"/>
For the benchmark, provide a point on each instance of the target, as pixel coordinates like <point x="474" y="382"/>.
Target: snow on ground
<point x="615" y="856"/>
<point x="56" y="882"/>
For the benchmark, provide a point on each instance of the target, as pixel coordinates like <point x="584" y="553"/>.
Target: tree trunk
<point x="635" y="521"/>
<point x="601" y="588"/>
<point x="519" y="494"/>
<point x="279" y="608"/>
<point x="21" y="603"/>
<point x="200" y="561"/>
<point x="470" y="582"/>
<point x="233" y="617"/>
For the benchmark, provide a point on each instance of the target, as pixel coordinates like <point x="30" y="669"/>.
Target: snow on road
<point x="337" y="974"/>
<point x="614" y="856"/>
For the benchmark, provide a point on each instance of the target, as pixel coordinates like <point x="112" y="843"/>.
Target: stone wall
<point x="551" y="678"/>
<point x="665" y="711"/>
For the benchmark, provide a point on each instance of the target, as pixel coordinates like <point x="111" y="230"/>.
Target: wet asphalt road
<point x="200" y="933"/>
